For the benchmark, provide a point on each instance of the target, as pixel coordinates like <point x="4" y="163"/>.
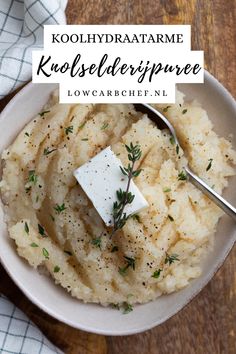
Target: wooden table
<point x="207" y="325"/>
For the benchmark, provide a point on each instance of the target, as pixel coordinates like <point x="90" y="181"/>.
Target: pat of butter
<point x="100" y="178"/>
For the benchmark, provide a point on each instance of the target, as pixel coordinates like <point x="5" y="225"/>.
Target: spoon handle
<point x="213" y="195"/>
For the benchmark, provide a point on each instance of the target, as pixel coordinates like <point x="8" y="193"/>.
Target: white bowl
<point x="94" y="318"/>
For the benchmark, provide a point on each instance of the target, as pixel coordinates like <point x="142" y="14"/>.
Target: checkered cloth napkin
<point x="21" y="31"/>
<point x="18" y="335"/>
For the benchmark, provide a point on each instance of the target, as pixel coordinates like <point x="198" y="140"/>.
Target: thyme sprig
<point x="59" y="208"/>
<point x="130" y="263"/>
<point x="127" y="308"/>
<point x="69" y="129"/>
<point x="43" y="112"/>
<point x="97" y="242"/>
<point x="32" y="177"/>
<point x="47" y="151"/>
<point x="171" y="258"/>
<point x="182" y="176"/>
<point x="126" y="197"/>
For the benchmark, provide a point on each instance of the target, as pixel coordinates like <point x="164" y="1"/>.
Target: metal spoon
<point x="163" y="123"/>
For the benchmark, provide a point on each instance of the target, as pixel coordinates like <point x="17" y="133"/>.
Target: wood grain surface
<point x="208" y="324"/>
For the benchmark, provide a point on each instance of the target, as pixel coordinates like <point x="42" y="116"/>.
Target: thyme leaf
<point x="97" y="242"/>
<point x="130" y="263"/>
<point x="171" y="258"/>
<point x="46" y="151"/>
<point x="209" y="165"/>
<point x="114" y="249"/>
<point x="26" y="228"/>
<point x="41" y="231"/>
<point x="33" y="244"/>
<point x="115" y="306"/>
<point x="182" y="176"/>
<point x="32" y="177"/>
<point x="82" y="125"/>
<point x="45" y="253"/>
<point x="27" y="189"/>
<point x="127" y="308"/>
<point x="104" y="126"/>
<point x="68" y="253"/>
<point x="136" y="217"/>
<point x="166" y="108"/>
<point x="56" y="269"/>
<point x="157" y="273"/>
<point x="60" y="208"/>
<point x="69" y="129"/>
<point x="43" y="112"/>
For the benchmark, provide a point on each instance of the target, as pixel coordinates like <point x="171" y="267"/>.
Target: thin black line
<point x="9" y="32"/>
<point x="8" y="351"/>
<point x="17" y="80"/>
<point x="27" y="337"/>
<point x="21" y="65"/>
<point x="32" y="4"/>
<point x="32" y="44"/>
<point x="8" y="327"/>
<point x="15" y="34"/>
<point x="46" y="19"/>
<point x="7" y="15"/>
<point x="12" y="78"/>
<point x="13" y="44"/>
<point x="16" y="318"/>
<point x="20" y="47"/>
<point x="27" y="11"/>
<point x="6" y="51"/>
<point x="41" y="347"/>
<point x="13" y="17"/>
<point x="24" y="337"/>
<point x="20" y="335"/>
<point x="48" y="11"/>
<point x="7" y="42"/>
<point x="17" y="59"/>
